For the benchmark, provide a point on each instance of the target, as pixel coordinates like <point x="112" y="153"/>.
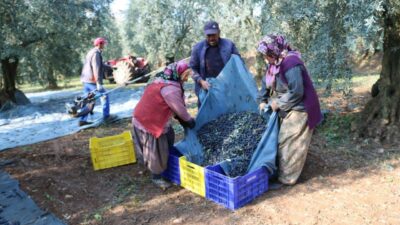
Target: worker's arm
<point x="194" y="64"/>
<point x="295" y="92"/>
<point x="96" y="67"/>
<point x="173" y="97"/>
<point x="263" y="95"/>
<point x="264" y="92"/>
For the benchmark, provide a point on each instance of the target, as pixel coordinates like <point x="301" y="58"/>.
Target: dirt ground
<point x="345" y="181"/>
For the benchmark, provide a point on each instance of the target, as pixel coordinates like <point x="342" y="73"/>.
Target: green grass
<point x="344" y="85"/>
<point x="337" y="128"/>
<point x="72" y="84"/>
<point x="364" y="80"/>
<point x="359" y="80"/>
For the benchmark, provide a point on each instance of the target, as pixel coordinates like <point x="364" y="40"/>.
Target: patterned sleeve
<point x="173" y="97"/>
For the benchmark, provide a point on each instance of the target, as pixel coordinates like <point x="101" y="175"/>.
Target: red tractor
<point x="134" y="66"/>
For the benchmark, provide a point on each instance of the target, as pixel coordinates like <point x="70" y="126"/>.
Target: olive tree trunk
<point x="380" y="118"/>
<point x="10" y="94"/>
<point x="9" y="68"/>
<point x="51" y="79"/>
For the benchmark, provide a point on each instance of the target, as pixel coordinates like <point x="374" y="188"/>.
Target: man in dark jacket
<point x="92" y="77"/>
<point x="210" y="56"/>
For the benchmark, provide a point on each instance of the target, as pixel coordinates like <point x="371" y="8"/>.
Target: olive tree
<point x="48" y="37"/>
<point x="156" y="28"/>
<point x="381" y="115"/>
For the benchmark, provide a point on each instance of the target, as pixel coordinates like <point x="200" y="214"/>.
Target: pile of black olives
<point x="232" y="136"/>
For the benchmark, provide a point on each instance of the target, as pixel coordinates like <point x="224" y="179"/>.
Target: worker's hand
<point x="190" y="124"/>
<point x="99" y="87"/>
<point x="204" y="84"/>
<point x="274" y="106"/>
<point x="261" y="107"/>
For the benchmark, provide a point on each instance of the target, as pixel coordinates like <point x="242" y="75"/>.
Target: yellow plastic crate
<point x="192" y="176"/>
<point x="112" y="151"/>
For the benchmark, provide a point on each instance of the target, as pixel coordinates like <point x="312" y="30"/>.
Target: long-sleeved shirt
<point x="92" y="71"/>
<point x="198" y="60"/>
<point x="214" y="63"/>
<point x="172" y="95"/>
<point x="288" y="96"/>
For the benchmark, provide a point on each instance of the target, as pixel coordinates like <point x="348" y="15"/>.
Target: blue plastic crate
<point x="172" y="173"/>
<point x="234" y="193"/>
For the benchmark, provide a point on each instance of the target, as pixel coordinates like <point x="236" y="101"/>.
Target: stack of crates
<point x="192" y="177"/>
<point x="112" y="151"/>
<point x="172" y="172"/>
<point x="212" y="183"/>
<point x="234" y="193"/>
<point x="184" y="173"/>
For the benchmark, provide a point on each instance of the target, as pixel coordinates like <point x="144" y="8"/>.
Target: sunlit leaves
<point x="50" y="37"/>
<point x="159" y="27"/>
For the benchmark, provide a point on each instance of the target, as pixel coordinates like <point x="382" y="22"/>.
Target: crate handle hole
<point x="251" y="178"/>
<point x="191" y="167"/>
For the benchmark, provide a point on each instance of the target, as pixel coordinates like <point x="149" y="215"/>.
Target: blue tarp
<point x="16" y="207"/>
<point x="233" y="90"/>
<point x="265" y="153"/>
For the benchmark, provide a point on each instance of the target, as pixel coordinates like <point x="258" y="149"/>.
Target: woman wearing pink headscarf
<point x="152" y="132"/>
<point x="288" y="89"/>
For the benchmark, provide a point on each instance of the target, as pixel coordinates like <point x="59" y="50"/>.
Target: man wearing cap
<point x="92" y="77"/>
<point x="210" y="56"/>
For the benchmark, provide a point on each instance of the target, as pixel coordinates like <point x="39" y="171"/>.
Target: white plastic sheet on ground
<point x="46" y="117"/>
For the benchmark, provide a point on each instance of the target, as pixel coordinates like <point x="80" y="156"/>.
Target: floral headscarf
<point x="173" y="71"/>
<point x="274" y="45"/>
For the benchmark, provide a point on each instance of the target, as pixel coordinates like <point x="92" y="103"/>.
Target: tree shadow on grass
<point x="339" y="151"/>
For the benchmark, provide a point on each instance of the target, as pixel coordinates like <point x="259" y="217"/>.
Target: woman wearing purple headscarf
<point x="152" y="132"/>
<point x="288" y="89"/>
